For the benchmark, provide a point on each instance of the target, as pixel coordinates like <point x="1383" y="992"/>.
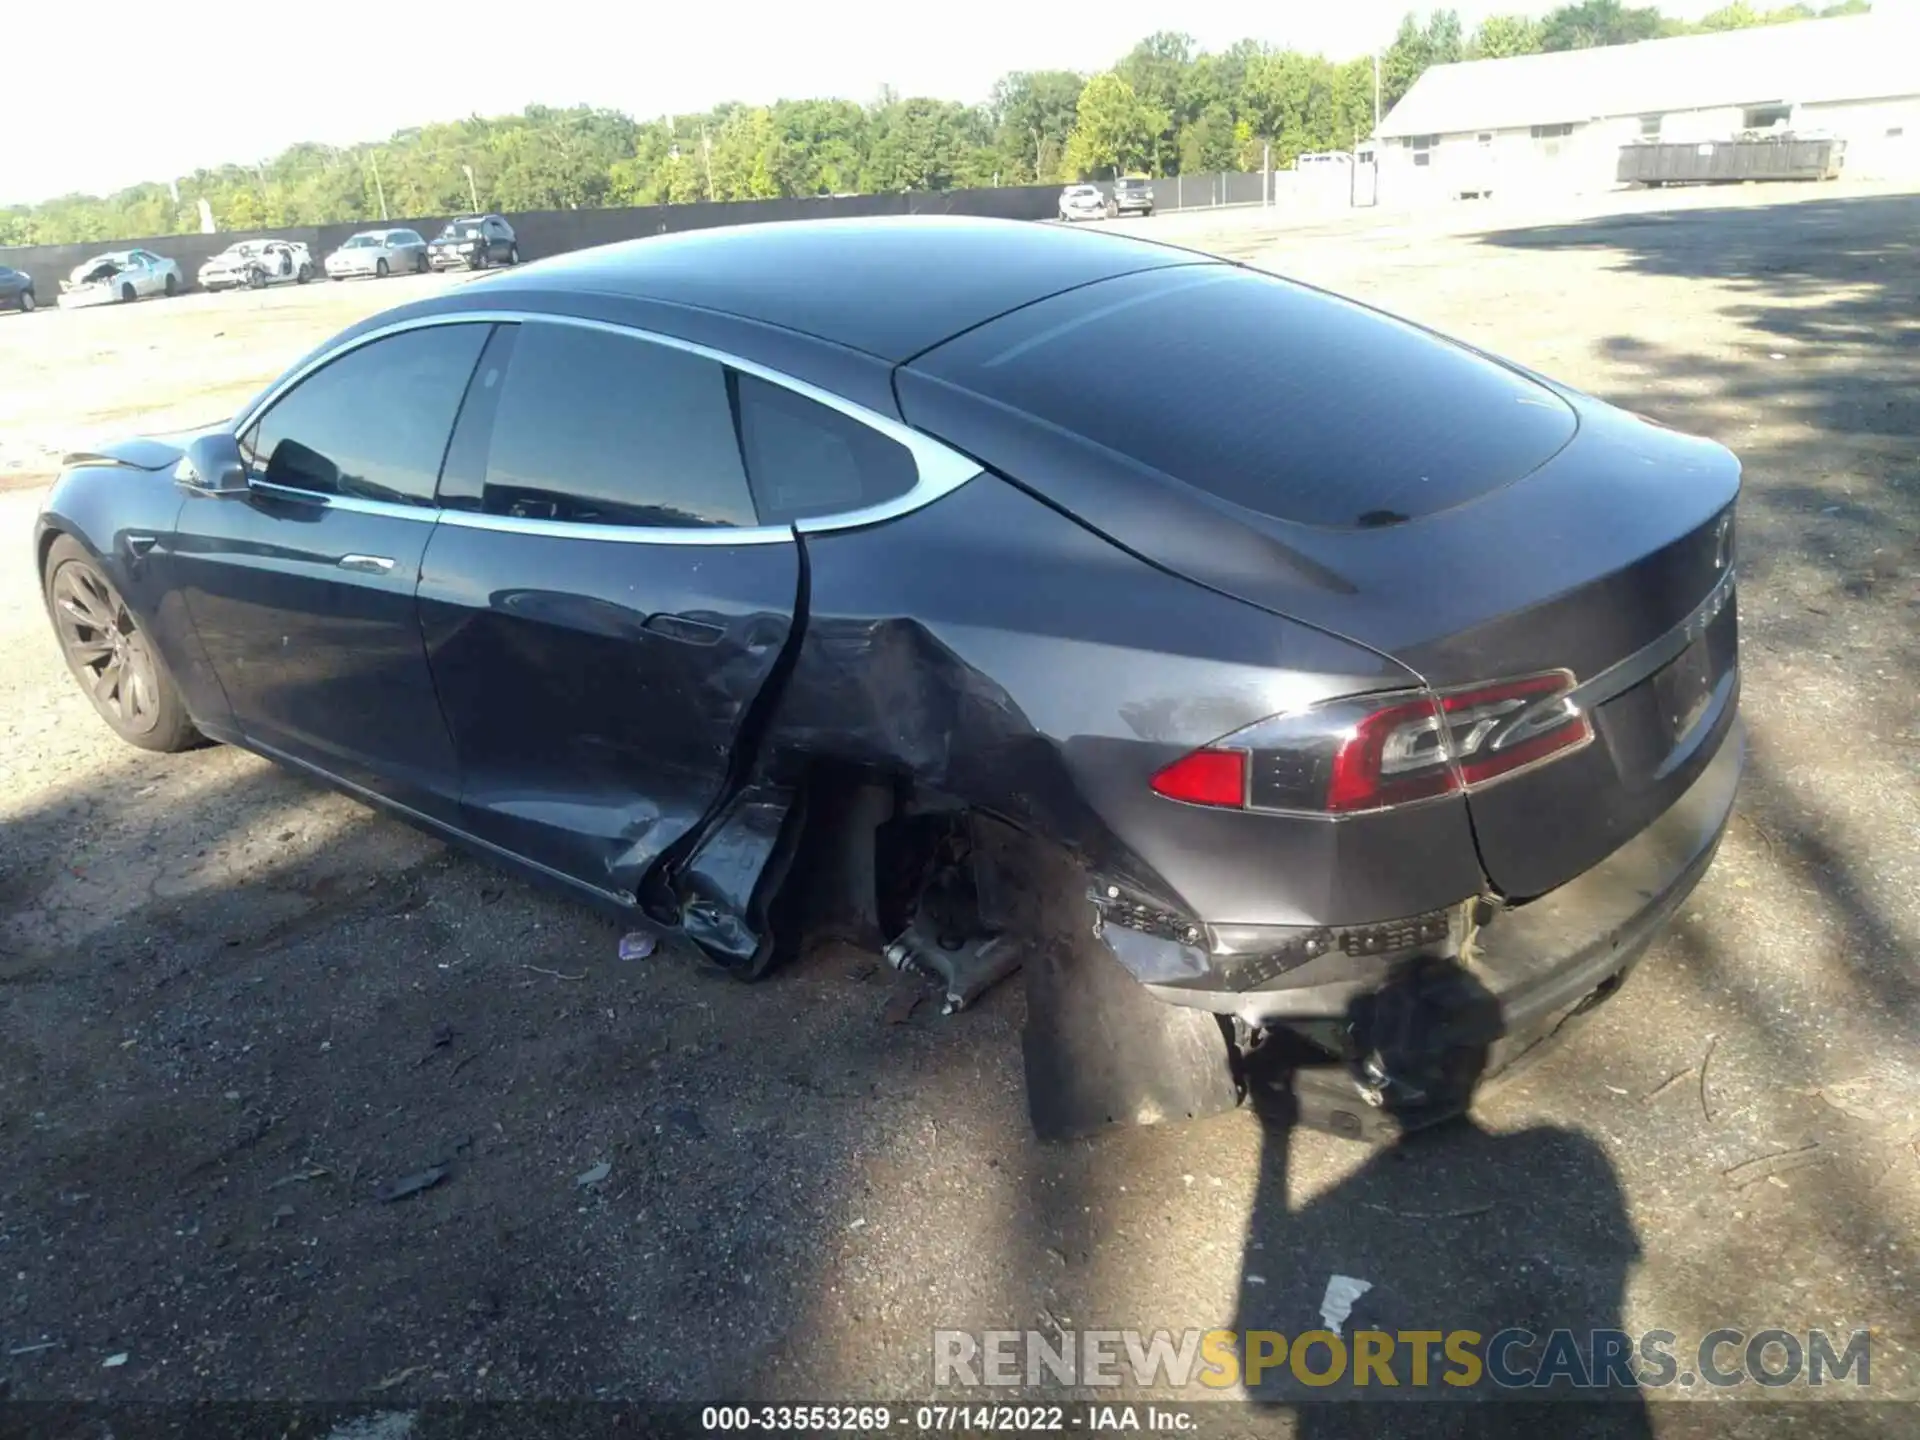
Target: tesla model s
<point x="987" y="594"/>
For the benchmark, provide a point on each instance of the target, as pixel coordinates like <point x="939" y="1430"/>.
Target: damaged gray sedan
<point x="988" y="595"/>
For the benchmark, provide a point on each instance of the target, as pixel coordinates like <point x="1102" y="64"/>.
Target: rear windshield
<point x="1284" y="400"/>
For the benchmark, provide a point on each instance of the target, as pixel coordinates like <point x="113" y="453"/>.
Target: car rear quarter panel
<point x="990" y="649"/>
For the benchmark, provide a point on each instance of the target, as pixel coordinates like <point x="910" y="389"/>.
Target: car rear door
<point x="302" y="589"/>
<point x="601" y="606"/>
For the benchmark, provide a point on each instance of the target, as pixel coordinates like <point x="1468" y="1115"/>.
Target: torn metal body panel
<point x="725" y="887"/>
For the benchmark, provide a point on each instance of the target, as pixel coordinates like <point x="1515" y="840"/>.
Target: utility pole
<point x="379" y="190"/>
<point x="473" y="194"/>
<point x="1376" y="92"/>
<point x="706" y="156"/>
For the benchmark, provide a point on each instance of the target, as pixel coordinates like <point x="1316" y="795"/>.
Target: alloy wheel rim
<point x="105" y="647"/>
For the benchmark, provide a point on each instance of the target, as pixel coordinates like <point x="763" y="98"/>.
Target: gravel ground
<point x="234" y="1008"/>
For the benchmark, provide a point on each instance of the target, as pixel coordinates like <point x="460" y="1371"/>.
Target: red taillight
<point x="1482" y="724"/>
<point x="1372" y="752"/>
<point x="1388" y="758"/>
<point x="1206" y="777"/>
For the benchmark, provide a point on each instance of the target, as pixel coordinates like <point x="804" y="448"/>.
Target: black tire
<point x="256" y="279"/>
<point x="513" y="255"/>
<point x="127" y="293"/>
<point x="420" y="263"/>
<point x="173" y="287"/>
<point x="380" y="268"/>
<point x="110" y="654"/>
<point x="27" y="302"/>
<point x="306" y="274"/>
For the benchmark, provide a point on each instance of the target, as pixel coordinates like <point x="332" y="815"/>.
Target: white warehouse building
<point x="1557" y="122"/>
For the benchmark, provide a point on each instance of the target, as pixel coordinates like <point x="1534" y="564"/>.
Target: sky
<point x="184" y="96"/>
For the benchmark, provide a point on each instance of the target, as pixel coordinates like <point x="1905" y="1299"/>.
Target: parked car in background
<point x="473" y="242"/>
<point x="1132" y="195"/>
<point x="257" y="264"/>
<point x="119" y="275"/>
<point x="1082" y="202"/>
<point x="16" y="289"/>
<point x="981" y="593"/>
<point x="379" y="253"/>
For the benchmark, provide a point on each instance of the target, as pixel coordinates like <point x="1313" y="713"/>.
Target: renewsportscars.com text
<point x="1511" y="1359"/>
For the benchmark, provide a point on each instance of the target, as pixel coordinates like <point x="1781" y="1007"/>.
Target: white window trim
<point x="938" y="471"/>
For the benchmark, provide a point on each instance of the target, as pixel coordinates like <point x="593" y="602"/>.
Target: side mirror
<point x="212" y="467"/>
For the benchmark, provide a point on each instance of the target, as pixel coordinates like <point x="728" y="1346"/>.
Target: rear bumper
<point x="1542" y="959"/>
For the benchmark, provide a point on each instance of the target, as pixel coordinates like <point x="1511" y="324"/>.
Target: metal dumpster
<point x="1729" y="162"/>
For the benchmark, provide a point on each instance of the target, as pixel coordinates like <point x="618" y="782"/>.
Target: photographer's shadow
<point x="1452" y="1228"/>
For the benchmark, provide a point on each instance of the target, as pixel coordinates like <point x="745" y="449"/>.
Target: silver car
<point x="379" y="253"/>
<point x="120" y="276"/>
<point x="1082" y="202"/>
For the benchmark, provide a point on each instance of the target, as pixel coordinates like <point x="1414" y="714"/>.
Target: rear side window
<point x="607" y="429"/>
<point x="806" y="459"/>
<point x="373" y="424"/>
<point x="1283" y="400"/>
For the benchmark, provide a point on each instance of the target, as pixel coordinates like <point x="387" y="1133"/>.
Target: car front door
<point x="302" y="588"/>
<point x="601" y="605"/>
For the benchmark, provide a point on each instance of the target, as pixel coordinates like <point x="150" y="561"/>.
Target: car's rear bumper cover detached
<point x="1521" y="974"/>
<point x="1535" y="959"/>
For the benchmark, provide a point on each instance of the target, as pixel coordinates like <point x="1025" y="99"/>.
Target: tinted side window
<point x="608" y="429"/>
<point x="805" y="459"/>
<point x="373" y="424"/>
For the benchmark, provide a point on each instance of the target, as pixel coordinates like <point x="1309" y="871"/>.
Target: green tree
<point x="1033" y="113"/>
<point x="1499" y="36"/>
<point x="1597" y="22"/>
<point x="1158" y="69"/>
<point x="923" y="144"/>
<point x="1115" y="129"/>
<point x="1416" y="46"/>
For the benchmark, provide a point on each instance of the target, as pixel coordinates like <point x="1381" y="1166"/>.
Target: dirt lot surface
<point x="78" y="377"/>
<point x="233" y="1007"/>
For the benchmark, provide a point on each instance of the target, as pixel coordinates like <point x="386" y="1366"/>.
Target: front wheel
<point x="513" y="255"/>
<point x="380" y="269"/>
<point x="111" y="656"/>
<point x="26" y="302"/>
<point x="256" y="279"/>
<point x="306" y="274"/>
<point x="173" y="286"/>
<point x="127" y="293"/>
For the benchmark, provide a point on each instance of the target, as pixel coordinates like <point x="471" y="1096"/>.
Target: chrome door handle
<point x="372" y="564"/>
